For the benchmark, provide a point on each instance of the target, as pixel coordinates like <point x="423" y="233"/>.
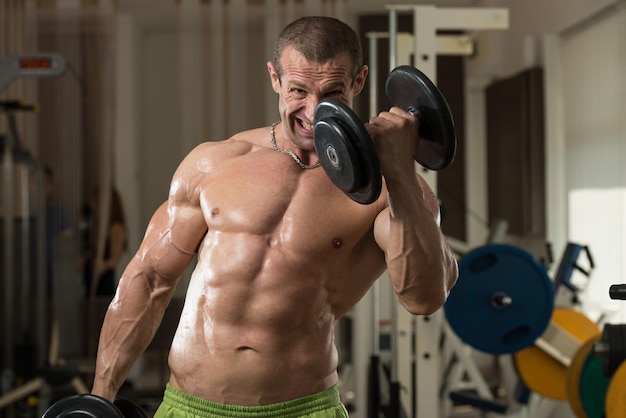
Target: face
<point x="303" y="84"/>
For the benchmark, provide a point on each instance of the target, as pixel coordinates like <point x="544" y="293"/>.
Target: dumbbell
<point x="88" y="405"/>
<point x="347" y="153"/>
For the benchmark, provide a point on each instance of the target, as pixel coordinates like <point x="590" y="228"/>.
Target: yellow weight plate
<point x="573" y="377"/>
<point x="615" y="402"/>
<point x="540" y="372"/>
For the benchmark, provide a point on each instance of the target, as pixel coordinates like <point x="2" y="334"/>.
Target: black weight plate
<point x="338" y="127"/>
<point x="487" y="275"/>
<point x="85" y="405"/>
<point x="130" y="409"/>
<point x="338" y="155"/>
<point x="614" y="339"/>
<point x="410" y="89"/>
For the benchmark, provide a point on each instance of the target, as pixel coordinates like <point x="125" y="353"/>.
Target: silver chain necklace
<point x="291" y="153"/>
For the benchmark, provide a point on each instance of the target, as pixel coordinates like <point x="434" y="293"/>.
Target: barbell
<point x="88" y="405"/>
<point x="347" y="153"/>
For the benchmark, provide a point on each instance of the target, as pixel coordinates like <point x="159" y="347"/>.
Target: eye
<point x="334" y="93"/>
<point x="297" y="92"/>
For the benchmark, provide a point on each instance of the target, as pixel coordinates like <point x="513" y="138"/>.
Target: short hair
<point x="319" y="39"/>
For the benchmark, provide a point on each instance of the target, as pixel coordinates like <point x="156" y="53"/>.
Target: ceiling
<point x="267" y="7"/>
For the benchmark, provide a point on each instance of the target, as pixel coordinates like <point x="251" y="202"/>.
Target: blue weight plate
<point x="502" y="301"/>
<point x="346" y="151"/>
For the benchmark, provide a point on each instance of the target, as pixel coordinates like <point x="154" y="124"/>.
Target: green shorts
<point x="178" y="404"/>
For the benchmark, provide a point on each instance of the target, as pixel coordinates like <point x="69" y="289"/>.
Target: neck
<point x="288" y="152"/>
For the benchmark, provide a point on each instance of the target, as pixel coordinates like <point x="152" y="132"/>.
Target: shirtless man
<point x="282" y="252"/>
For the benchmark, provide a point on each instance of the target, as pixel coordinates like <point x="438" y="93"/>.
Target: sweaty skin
<point x="282" y="253"/>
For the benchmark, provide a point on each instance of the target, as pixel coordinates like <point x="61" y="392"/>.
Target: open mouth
<point x="306" y="126"/>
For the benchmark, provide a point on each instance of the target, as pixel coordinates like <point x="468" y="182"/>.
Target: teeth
<point x="306" y="125"/>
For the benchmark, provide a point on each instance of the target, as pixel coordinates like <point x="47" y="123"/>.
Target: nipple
<point x="337" y="242"/>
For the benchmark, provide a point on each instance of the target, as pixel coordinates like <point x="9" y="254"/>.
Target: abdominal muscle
<point x="257" y="326"/>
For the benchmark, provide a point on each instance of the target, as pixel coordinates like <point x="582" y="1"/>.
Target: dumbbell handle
<point x="618" y="291"/>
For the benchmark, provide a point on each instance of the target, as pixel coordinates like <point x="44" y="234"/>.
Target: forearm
<point x="129" y="325"/>
<point x="421" y="265"/>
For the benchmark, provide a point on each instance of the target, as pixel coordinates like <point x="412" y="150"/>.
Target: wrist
<point x="402" y="181"/>
<point x="398" y="170"/>
<point x="104" y="389"/>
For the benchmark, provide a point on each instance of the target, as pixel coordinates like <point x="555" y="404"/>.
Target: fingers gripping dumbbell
<point x="346" y="151"/>
<point x="87" y="405"/>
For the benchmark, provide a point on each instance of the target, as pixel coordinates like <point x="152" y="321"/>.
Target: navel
<point x="337" y="242"/>
<point x="245" y="348"/>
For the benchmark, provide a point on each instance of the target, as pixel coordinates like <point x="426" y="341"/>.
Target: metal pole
<point x="373" y="74"/>
<point x="394" y="392"/>
<point x="25" y="277"/>
<point x="8" y="253"/>
<point x="373" y="47"/>
<point x="393" y="40"/>
<point x="41" y="281"/>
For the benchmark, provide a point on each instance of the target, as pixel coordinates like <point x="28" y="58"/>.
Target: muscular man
<point x="282" y="252"/>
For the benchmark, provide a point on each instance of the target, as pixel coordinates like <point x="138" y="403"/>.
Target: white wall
<point x="509" y="52"/>
<point x="503" y="54"/>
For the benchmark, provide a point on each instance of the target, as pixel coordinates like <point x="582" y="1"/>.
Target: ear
<point x="273" y="77"/>
<point x="359" y="80"/>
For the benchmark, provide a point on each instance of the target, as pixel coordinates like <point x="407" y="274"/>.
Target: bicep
<point x="171" y="239"/>
<point x="381" y="229"/>
<point x="383" y="219"/>
<point x="178" y="226"/>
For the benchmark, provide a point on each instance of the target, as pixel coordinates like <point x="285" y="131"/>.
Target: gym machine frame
<point x="427" y="20"/>
<point x="19" y="165"/>
<point x="11" y="67"/>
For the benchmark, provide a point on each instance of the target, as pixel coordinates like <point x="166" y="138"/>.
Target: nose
<point x="311" y="105"/>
